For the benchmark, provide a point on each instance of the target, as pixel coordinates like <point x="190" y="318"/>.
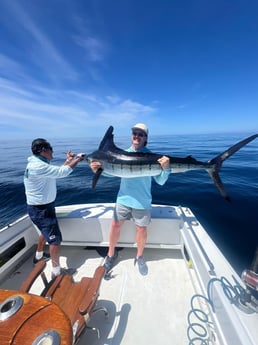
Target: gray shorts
<point x="140" y="217"/>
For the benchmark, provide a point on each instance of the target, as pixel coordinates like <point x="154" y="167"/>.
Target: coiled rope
<point x="200" y="329"/>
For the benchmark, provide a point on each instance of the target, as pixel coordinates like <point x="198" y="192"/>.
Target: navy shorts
<point x="44" y="217"/>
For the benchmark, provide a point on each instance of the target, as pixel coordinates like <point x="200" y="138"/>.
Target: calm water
<point x="233" y="226"/>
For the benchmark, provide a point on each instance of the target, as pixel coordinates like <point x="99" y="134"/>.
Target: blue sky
<point x="73" y="67"/>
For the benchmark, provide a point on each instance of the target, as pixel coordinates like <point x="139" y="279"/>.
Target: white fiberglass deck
<point x="142" y="310"/>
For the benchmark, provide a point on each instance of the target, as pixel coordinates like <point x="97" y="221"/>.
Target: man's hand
<point x="72" y="160"/>
<point x="69" y="156"/>
<point x="164" y="162"/>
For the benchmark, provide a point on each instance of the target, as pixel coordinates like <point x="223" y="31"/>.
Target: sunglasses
<point x="48" y="147"/>
<point x="139" y="134"/>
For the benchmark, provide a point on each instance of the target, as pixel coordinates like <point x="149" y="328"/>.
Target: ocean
<point x="232" y="225"/>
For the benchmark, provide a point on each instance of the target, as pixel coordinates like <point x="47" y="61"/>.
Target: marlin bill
<point x="120" y="163"/>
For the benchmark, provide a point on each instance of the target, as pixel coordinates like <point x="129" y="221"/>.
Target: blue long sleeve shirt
<point x="40" y="180"/>
<point x="136" y="192"/>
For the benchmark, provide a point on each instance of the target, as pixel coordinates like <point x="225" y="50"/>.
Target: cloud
<point x="95" y="46"/>
<point x="125" y="112"/>
<point x="182" y="106"/>
<point x="11" y="68"/>
<point x="37" y="47"/>
<point x="64" y="112"/>
<point x="43" y="89"/>
<point x="95" y="49"/>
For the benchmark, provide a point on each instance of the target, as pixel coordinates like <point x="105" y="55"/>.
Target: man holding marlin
<point x="134" y="201"/>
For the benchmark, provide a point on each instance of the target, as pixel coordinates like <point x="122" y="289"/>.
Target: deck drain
<point x="10" y="306"/>
<point x="50" y="337"/>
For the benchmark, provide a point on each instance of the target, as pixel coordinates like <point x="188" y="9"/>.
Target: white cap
<point x="142" y="127"/>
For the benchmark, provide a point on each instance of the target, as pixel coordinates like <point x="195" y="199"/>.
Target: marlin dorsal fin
<point x="108" y="140"/>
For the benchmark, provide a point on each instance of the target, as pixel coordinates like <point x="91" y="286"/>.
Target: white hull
<point x="145" y="310"/>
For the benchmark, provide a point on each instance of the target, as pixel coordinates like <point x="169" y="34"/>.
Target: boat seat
<point x="76" y="299"/>
<point x="29" y="281"/>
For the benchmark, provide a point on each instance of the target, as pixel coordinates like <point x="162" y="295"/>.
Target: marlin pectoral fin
<point x="96" y="177"/>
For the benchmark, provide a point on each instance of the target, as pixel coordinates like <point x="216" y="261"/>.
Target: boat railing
<point x="210" y="264"/>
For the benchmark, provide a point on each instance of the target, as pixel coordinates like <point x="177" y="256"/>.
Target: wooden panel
<point x="36" y="316"/>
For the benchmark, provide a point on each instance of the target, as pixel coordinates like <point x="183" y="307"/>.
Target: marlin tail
<point x="120" y="163"/>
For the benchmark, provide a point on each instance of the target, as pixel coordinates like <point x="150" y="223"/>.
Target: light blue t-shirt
<point x="136" y="192"/>
<point x="40" y="180"/>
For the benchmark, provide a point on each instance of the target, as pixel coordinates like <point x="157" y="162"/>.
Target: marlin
<point x="117" y="162"/>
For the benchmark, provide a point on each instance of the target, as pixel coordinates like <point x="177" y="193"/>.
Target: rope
<point x="200" y="329"/>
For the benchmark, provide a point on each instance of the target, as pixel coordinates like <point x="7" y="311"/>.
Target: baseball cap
<point x="142" y="127"/>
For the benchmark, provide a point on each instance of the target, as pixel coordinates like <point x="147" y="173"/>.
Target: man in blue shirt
<point x="134" y="201"/>
<point x="40" y="189"/>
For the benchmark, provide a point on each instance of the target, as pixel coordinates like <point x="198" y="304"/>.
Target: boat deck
<point x="142" y="309"/>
